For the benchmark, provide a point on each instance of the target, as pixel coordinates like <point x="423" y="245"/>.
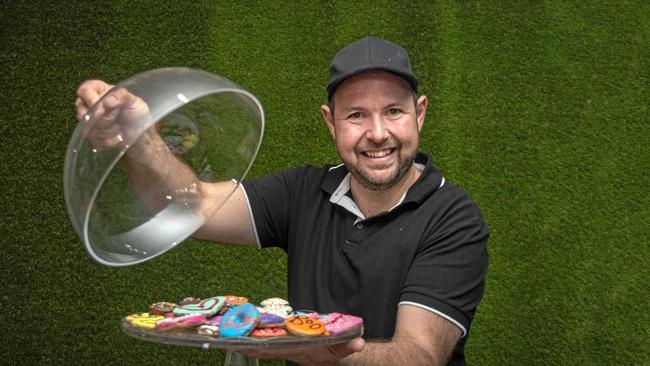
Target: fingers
<point x="82" y="109"/>
<point x="88" y="93"/>
<point x="106" y="133"/>
<point x="101" y="144"/>
<point x="307" y="355"/>
<point x="342" y="350"/>
<point x="108" y="118"/>
<point x="91" y="90"/>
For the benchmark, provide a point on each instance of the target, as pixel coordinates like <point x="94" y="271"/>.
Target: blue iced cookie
<point x="239" y="321"/>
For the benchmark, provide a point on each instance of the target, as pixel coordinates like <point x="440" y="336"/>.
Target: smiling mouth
<point x="378" y="154"/>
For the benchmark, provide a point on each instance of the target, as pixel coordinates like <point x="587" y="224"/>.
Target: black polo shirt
<point x="428" y="251"/>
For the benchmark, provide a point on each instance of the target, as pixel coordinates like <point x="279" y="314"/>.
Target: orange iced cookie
<point x="232" y="300"/>
<point x="304" y="325"/>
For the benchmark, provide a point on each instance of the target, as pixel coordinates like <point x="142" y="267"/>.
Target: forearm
<point x="157" y="176"/>
<point x="392" y="353"/>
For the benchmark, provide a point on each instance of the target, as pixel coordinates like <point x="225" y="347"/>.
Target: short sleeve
<point x="270" y="201"/>
<point x="448" y="273"/>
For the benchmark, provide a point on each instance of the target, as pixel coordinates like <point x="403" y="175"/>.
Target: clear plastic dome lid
<point x="136" y="162"/>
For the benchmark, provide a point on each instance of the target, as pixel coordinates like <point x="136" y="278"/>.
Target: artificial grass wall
<point x="538" y="109"/>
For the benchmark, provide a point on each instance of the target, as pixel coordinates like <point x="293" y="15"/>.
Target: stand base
<point x="237" y="359"/>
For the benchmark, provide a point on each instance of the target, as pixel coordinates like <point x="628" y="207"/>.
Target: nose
<point x="377" y="131"/>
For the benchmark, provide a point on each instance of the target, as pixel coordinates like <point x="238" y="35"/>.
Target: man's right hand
<point x="110" y="116"/>
<point x="154" y="171"/>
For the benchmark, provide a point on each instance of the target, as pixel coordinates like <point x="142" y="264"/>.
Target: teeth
<point x="378" y="154"/>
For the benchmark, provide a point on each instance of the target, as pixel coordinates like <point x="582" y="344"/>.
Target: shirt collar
<point x="337" y="184"/>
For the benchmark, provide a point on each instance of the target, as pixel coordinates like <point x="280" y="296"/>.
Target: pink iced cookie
<point x="190" y="321"/>
<point x="186" y="321"/>
<point x="337" y="323"/>
<point x="215" y="320"/>
<point x="268" y="332"/>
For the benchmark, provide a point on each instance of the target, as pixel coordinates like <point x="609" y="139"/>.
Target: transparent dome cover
<point x="137" y="162"/>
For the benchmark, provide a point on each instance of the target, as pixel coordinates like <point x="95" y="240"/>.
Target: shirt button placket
<point x="354" y="234"/>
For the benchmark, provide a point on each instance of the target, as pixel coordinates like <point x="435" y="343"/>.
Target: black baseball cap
<point x="370" y="53"/>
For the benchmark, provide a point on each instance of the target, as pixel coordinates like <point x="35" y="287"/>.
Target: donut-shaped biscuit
<point x="232" y="300"/>
<point x="209" y="330"/>
<point x="161" y="308"/>
<point x="304" y="325"/>
<point x="144" y="320"/>
<point x="268" y="332"/>
<point x="277" y="306"/>
<point x="166" y="324"/>
<point x="274" y="301"/>
<point x="215" y="320"/>
<point x="239" y="321"/>
<point x="189" y="300"/>
<point x="337" y="323"/>
<point x="269" y="320"/>
<point x="185" y="321"/>
<point x="190" y="321"/>
<point x="207" y="307"/>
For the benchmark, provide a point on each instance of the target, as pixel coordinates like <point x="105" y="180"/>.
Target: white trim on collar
<point x="334" y="167"/>
<point x="340" y="197"/>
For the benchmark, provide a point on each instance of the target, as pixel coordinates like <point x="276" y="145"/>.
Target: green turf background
<point x="538" y="108"/>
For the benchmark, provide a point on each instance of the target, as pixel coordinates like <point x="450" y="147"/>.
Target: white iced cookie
<point x="277" y="306"/>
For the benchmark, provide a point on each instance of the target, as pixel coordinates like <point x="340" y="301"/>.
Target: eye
<point x="355" y="115"/>
<point x="394" y="112"/>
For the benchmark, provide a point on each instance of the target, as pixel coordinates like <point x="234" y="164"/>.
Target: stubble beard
<point x="367" y="181"/>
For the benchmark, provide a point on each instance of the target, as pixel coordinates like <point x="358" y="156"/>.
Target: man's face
<point x="376" y="124"/>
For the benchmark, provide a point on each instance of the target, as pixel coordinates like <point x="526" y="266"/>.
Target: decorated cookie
<point x="189" y="300"/>
<point x="161" y="308"/>
<point x="268" y="332"/>
<point x="337" y="323"/>
<point x="273" y="302"/>
<point x="239" y="321"/>
<point x="185" y="321"/>
<point x="209" y="330"/>
<point x="215" y="320"/>
<point x="311" y="314"/>
<point x="190" y="321"/>
<point x="144" y="320"/>
<point x="304" y="325"/>
<point x="207" y="307"/>
<point x="166" y="324"/>
<point x="269" y="320"/>
<point x="277" y="306"/>
<point x="232" y="300"/>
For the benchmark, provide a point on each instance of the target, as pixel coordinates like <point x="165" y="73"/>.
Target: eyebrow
<point x="359" y="108"/>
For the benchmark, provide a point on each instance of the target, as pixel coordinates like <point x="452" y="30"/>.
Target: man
<point x="382" y="236"/>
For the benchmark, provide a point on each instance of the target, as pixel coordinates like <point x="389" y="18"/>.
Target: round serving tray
<point x="189" y="337"/>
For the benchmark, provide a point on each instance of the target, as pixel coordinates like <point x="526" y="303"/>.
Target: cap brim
<point x="333" y="84"/>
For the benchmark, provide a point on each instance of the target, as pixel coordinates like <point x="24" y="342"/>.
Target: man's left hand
<point x="315" y="355"/>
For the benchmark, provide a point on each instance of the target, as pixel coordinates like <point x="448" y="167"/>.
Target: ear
<point x="328" y="116"/>
<point x="421" y="110"/>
